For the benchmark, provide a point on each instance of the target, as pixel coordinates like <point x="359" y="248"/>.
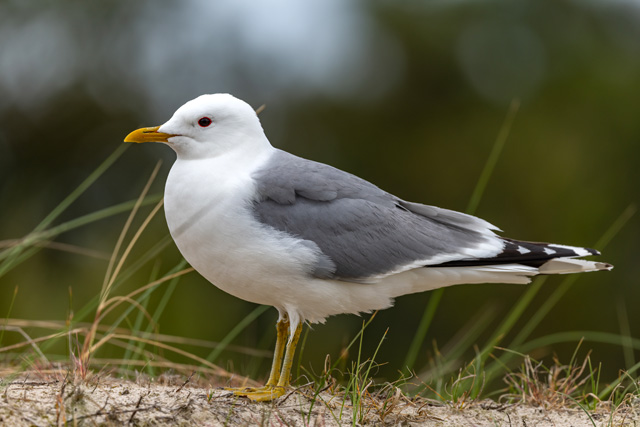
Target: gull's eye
<point x="204" y="122"/>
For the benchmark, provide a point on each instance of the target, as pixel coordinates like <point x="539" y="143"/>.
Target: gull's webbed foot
<point x="280" y="370"/>
<point x="264" y="394"/>
<point x="259" y="394"/>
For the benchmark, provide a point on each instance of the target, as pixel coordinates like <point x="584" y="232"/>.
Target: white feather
<point x="571" y="265"/>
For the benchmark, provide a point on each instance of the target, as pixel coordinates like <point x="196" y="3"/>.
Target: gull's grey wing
<point x="362" y="231"/>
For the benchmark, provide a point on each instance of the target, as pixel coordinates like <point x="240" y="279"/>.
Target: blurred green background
<point x="410" y="95"/>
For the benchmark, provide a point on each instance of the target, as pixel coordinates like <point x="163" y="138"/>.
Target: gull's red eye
<point x="204" y="122"/>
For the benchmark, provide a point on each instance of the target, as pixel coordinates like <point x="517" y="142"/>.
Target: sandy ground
<point x="109" y="401"/>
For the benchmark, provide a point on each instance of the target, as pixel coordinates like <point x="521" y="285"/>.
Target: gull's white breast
<point x="208" y="211"/>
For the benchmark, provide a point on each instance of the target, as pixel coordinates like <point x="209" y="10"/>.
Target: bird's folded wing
<point x="363" y="232"/>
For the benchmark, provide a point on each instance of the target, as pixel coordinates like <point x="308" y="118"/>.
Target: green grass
<point x="126" y="324"/>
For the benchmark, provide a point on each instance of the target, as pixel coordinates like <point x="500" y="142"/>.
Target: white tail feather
<point x="571" y="265"/>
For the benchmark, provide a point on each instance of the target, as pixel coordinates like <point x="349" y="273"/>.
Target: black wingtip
<point x="532" y="254"/>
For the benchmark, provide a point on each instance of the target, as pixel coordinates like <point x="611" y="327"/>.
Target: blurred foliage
<point x="409" y="95"/>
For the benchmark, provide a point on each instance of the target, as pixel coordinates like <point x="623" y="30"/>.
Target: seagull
<point x="314" y="241"/>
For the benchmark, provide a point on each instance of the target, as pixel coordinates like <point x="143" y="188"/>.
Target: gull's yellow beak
<point x="148" y="135"/>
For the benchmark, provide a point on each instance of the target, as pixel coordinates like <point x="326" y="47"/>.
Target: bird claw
<point x="259" y="394"/>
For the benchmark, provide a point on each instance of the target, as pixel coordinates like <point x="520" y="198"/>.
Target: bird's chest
<point x="212" y="223"/>
<point x="208" y="215"/>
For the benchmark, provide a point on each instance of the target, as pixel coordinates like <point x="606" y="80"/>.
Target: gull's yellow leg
<point x="272" y="392"/>
<point x="288" y="358"/>
<point x="282" y="333"/>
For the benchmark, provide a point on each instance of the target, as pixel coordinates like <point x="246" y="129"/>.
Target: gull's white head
<point x="208" y="126"/>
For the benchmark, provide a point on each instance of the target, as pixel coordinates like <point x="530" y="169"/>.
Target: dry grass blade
<point x="117" y="300"/>
<point x="40" y="339"/>
<point x="88" y="344"/>
<point x="178" y="367"/>
<point x="550" y="388"/>
<point x="160" y="281"/>
<point x="84" y="326"/>
<point x="28" y="341"/>
<point x="108" y="276"/>
<point x="105" y="291"/>
<point x="63" y="247"/>
<point x="176" y="350"/>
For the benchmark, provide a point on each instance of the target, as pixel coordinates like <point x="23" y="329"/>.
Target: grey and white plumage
<point x="312" y="240"/>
